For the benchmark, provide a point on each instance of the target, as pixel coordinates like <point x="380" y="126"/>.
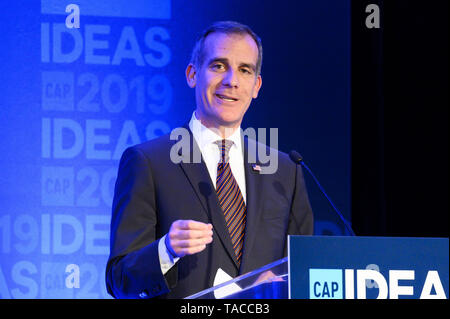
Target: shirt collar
<point x="205" y="137"/>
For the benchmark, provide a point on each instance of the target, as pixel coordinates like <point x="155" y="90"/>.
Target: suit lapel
<point x="198" y="176"/>
<point x="254" y="190"/>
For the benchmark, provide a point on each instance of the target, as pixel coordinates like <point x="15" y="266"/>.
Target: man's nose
<point x="231" y="78"/>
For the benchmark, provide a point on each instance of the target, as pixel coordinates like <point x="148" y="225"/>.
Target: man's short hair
<point x="227" y="27"/>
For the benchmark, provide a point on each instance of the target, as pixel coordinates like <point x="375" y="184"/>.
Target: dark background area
<point x="400" y="120"/>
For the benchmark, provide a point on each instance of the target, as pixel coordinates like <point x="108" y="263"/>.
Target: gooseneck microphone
<point x="298" y="159"/>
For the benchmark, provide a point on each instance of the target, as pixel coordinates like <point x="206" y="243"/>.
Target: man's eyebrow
<point x="214" y="60"/>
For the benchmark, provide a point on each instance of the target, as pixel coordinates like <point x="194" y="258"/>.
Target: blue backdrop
<point x="72" y="100"/>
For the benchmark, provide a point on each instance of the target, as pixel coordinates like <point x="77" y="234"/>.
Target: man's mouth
<point x="226" y="98"/>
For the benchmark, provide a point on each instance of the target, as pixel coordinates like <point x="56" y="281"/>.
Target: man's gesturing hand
<point x="187" y="237"/>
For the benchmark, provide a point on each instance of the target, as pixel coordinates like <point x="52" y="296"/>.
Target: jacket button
<point x="143" y="294"/>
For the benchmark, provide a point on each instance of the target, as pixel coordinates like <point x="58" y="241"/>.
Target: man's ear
<point x="257" y="86"/>
<point x="191" y="75"/>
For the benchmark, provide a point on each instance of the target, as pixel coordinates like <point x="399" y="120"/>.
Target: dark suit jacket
<point x="152" y="192"/>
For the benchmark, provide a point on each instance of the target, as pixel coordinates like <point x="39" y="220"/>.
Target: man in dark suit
<point x="182" y="213"/>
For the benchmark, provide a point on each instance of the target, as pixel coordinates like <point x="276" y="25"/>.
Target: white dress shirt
<point x="205" y="139"/>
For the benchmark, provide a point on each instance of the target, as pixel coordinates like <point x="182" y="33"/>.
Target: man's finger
<point x="192" y="224"/>
<point x="192" y="250"/>
<point x="190" y="234"/>
<point x="190" y="243"/>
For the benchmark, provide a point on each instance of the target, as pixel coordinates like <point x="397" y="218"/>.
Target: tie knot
<point x="224" y="147"/>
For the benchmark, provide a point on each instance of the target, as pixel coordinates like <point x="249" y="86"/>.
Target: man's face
<point x="226" y="81"/>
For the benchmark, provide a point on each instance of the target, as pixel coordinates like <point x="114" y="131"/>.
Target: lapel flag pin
<point x="256" y="168"/>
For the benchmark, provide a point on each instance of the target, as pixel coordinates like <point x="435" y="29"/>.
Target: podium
<point x="333" y="267"/>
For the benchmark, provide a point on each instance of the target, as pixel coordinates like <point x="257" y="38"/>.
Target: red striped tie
<point x="230" y="199"/>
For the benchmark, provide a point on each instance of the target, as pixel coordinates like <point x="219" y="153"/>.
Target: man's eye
<point x="246" y="71"/>
<point x="217" y="66"/>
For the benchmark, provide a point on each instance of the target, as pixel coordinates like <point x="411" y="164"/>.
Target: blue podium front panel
<point x="368" y="267"/>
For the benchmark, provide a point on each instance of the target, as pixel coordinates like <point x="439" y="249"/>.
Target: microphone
<point x="298" y="159"/>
